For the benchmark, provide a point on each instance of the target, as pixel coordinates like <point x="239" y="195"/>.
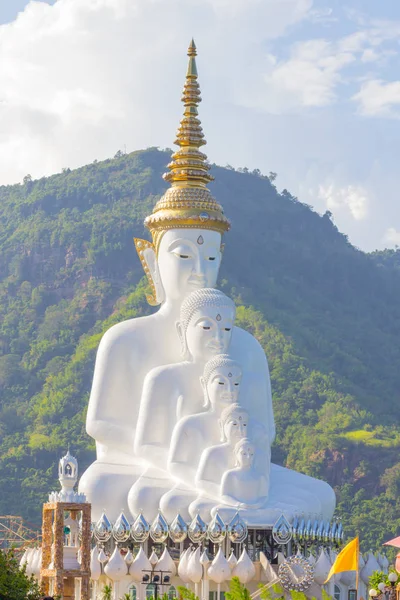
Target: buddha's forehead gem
<point x="229" y="374"/>
<point x="219" y="317"/>
<point x="200" y="240"/>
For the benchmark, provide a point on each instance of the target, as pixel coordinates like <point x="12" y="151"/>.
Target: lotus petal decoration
<point x="332" y="533"/>
<point x="327" y="529"/>
<point x="166" y="564"/>
<point x="301" y="528"/>
<point x="103" y="529"/>
<point x="244" y="569"/>
<point x="216" y="530"/>
<point x="295" y="526"/>
<point x="194" y="570"/>
<point x="102" y="557"/>
<point x="95" y="565"/>
<point x="121" y="529"/>
<point x="204" y="558"/>
<point x="178" y="530"/>
<point x="129" y="558"/>
<point x="197" y="530"/>
<point x="219" y="570"/>
<point x="237" y="530"/>
<point x="140" y="564"/>
<point x="322" y="567"/>
<point x="320" y="532"/>
<point x="339" y="532"/>
<point x="183" y="564"/>
<point x="232" y="560"/>
<point x="159" y="529"/>
<point x="140" y="529"/>
<point x="153" y="558"/>
<point x="282" y="531"/>
<point x="116" y="567"/>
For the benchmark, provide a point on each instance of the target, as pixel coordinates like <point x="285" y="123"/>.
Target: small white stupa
<point x="67" y="476"/>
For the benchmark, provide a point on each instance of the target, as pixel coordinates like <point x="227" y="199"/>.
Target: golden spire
<point x="189" y="166"/>
<point x="188" y="203"/>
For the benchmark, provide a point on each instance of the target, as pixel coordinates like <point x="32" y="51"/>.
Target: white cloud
<point x="351" y="198"/>
<point x="322" y="16"/>
<point x="310" y="75"/>
<point x="392" y="236"/>
<point x="84" y="77"/>
<point x="379" y="98"/>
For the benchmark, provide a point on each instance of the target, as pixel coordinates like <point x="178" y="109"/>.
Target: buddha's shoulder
<point x="241" y="336"/>
<point x="169" y="372"/>
<point x="127" y="333"/>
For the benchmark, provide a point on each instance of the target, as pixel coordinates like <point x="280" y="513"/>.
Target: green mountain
<point x="326" y="313"/>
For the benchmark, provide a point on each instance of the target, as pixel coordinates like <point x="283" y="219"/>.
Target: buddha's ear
<point x="182" y="339"/>
<point x="222" y="248"/>
<point x="148" y="258"/>
<point x="206" y="402"/>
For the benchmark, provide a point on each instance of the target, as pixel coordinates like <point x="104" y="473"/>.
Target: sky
<point x="309" y="89"/>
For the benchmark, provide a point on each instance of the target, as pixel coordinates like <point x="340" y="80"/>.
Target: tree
<point x="237" y="591"/>
<point x="14" y="582"/>
<point x="272" y="176"/>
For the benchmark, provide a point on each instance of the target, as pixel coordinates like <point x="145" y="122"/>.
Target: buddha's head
<point x="233" y="424"/>
<point x="244" y="454"/>
<point x="187" y="223"/>
<point x="221" y="381"/>
<point x="205" y="325"/>
<point x="186" y="260"/>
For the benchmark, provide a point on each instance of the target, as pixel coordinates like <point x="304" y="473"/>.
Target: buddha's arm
<point x="110" y="395"/>
<point x="155" y="419"/>
<point x="256" y="366"/>
<point x="186" y="444"/>
<point x="207" y="477"/>
<point x="228" y="489"/>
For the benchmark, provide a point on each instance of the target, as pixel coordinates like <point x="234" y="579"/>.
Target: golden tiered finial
<point x="188" y="203"/>
<point x="189" y="166"/>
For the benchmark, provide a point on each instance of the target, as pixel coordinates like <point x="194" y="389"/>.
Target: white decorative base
<point x="134" y="489"/>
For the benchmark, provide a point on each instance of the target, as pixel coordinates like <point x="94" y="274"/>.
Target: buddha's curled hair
<point x="201" y="298"/>
<point x="229" y="410"/>
<point x="216" y="362"/>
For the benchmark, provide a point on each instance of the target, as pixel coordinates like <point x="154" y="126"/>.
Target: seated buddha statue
<point x="216" y="459"/>
<point x="243" y="486"/>
<point x="205" y="329"/>
<point x="186" y="226"/>
<point x="192" y="434"/>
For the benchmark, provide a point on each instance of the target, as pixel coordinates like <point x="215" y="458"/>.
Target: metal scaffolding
<point x="17" y="533"/>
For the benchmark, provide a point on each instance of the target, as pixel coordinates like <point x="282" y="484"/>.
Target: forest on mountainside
<point x="327" y="315"/>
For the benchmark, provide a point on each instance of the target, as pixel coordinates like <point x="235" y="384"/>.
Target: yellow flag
<point x="347" y="559"/>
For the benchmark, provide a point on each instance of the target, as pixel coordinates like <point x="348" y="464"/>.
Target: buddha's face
<point x="223" y="387"/>
<point x="188" y="259"/>
<point x="245" y="456"/>
<point x="209" y="332"/>
<point x="235" y="427"/>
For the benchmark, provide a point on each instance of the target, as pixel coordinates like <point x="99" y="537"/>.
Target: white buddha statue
<point x="215" y="460"/>
<point x="192" y="434"/>
<point x="186" y="226"/>
<point x="205" y="329"/>
<point x="243" y="486"/>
